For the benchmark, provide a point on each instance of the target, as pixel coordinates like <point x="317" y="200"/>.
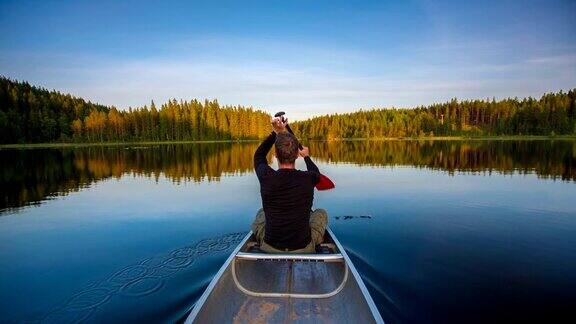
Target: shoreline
<point x="457" y="138"/>
<point x="87" y="144"/>
<point x="435" y="138"/>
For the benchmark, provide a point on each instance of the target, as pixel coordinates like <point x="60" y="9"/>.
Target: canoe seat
<point x="324" y="248"/>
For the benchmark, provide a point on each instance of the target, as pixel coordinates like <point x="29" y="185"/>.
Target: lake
<point x="441" y="231"/>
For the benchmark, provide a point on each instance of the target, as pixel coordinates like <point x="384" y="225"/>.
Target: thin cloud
<point x="566" y="59"/>
<point x="302" y="79"/>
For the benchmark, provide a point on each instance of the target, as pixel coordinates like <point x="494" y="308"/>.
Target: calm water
<point x="480" y="231"/>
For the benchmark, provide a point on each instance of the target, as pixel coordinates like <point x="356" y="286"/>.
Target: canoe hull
<point x="244" y="289"/>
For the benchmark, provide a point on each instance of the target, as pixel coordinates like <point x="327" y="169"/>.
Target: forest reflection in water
<point x="30" y="176"/>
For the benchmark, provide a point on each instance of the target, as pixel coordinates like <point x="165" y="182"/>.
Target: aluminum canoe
<point x="257" y="287"/>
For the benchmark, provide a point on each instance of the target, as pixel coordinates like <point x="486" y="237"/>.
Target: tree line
<point x="552" y="114"/>
<point x="30" y="114"/>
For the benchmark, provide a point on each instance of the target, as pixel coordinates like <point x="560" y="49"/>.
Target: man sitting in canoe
<point x="286" y="223"/>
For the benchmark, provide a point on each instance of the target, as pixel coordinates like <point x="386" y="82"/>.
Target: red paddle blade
<point x="325" y="183"/>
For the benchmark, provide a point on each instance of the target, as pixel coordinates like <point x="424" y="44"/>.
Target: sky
<point x="308" y="58"/>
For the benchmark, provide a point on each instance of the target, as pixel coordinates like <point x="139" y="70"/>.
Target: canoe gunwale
<point x="198" y="305"/>
<point x="360" y="282"/>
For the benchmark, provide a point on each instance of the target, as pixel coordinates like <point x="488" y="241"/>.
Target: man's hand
<point x="279" y="125"/>
<point x="304" y="152"/>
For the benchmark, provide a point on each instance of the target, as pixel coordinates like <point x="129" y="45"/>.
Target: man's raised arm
<point x="310" y="165"/>
<point x="262" y="151"/>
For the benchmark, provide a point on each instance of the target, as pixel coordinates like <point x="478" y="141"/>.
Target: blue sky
<point x="305" y="57"/>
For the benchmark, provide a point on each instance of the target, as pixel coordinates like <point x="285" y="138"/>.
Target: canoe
<point x="257" y="287"/>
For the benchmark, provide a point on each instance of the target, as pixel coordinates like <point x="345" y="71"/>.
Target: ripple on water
<point x="138" y="280"/>
<point x="142" y="287"/>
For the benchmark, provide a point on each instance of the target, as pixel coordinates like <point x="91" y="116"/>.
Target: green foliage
<point x="32" y="115"/>
<point x="554" y="113"/>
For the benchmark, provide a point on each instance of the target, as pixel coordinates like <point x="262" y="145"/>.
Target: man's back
<point x="287" y="197"/>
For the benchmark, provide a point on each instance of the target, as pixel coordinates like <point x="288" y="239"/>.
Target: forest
<point x="552" y="114"/>
<point x="30" y="114"/>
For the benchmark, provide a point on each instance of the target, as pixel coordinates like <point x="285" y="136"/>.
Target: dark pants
<point x="318" y="224"/>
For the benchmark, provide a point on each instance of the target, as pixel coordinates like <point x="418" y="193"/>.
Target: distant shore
<point x="135" y="143"/>
<point x="460" y="138"/>
<point x="435" y="138"/>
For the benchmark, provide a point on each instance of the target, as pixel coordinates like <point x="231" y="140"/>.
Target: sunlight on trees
<point x="30" y="114"/>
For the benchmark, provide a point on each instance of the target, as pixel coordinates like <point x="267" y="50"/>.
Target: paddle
<point x="325" y="183"/>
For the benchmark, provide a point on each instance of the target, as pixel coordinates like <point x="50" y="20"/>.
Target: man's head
<point x="286" y="148"/>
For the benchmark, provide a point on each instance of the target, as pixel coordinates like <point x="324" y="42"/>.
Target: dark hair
<point x="286" y="148"/>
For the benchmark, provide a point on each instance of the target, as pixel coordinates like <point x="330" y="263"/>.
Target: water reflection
<point x="31" y="176"/>
<point x="548" y="159"/>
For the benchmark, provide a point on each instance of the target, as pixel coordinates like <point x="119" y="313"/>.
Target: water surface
<point x="440" y="230"/>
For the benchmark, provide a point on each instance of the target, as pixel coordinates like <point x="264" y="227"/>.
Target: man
<point x="286" y="222"/>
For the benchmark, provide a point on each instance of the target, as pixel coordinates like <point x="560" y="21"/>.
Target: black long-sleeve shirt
<point x="287" y="196"/>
